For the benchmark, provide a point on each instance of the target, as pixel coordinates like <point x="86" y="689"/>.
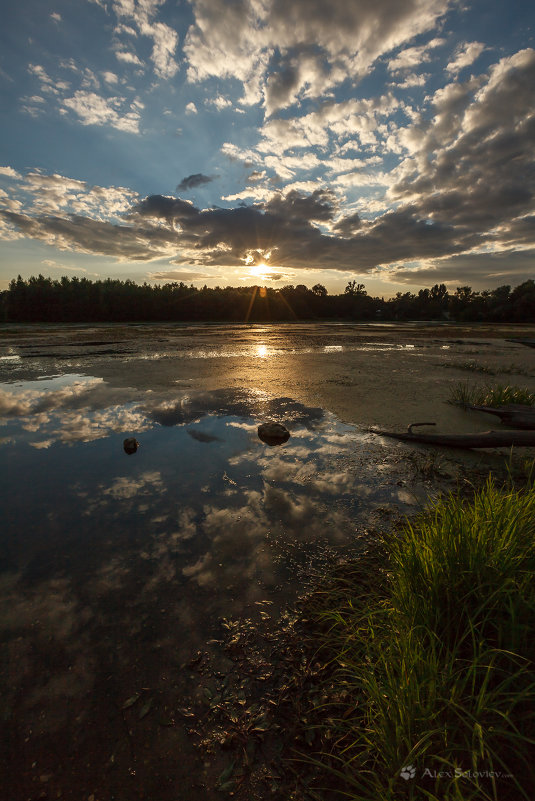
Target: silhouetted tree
<point x="79" y="299"/>
<point x="353" y="288"/>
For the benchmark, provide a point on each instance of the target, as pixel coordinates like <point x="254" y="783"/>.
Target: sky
<point x="234" y="142"/>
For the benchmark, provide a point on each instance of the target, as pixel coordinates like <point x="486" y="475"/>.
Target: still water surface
<point x="116" y="569"/>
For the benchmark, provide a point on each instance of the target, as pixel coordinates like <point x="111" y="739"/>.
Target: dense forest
<point x="81" y="300"/>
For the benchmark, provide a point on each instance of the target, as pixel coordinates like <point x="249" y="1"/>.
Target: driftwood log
<point x="484" y="439"/>
<point x="518" y="415"/>
<point x="529" y="342"/>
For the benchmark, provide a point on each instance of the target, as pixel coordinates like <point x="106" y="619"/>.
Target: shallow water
<point x="115" y="569"/>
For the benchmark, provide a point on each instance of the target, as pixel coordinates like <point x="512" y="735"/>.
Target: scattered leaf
<point x="195" y="660"/>
<point x="309" y="736"/>
<point x="186" y="713"/>
<point x="226" y="774"/>
<point x="131" y="701"/>
<point x="227" y="787"/>
<point x="145" y="709"/>
<point x="168" y="722"/>
<point x="250" y="749"/>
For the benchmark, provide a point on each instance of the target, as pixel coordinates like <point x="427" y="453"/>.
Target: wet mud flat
<point x="373" y="374"/>
<point x="144" y="596"/>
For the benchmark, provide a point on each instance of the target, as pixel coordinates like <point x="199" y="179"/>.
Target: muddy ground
<point x="384" y="375"/>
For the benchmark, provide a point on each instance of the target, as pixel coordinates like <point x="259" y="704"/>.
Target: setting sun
<point x="259" y="270"/>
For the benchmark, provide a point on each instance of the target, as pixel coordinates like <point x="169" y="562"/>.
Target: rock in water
<point x="130" y="445"/>
<point x="273" y="433"/>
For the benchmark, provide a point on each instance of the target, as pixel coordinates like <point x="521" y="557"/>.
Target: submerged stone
<point x="273" y="433"/>
<point x="130" y="445"/>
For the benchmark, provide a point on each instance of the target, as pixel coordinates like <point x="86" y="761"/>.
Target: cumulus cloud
<point x="89" y="103"/>
<point x="191" y="108"/>
<point x="55" y="193"/>
<point x="465" y="55"/>
<point x="413" y="56"/>
<point x="86" y="235"/>
<point x="471" y="161"/>
<point x="9" y="172"/>
<point x="51" y="192"/>
<point x="142" y="14"/>
<point x="128" y="58"/>
<point x="333" y="122"/>
<point x="47" y="83"/>
<point x="165" y="41"/>
<point x="412" y="80"/>
<point x="306" y="48"/>
<point x="288" y="227"/>
<point x="256" y="175"/>
<point x="93" y="109"/>
<point x="219" y="102"/>
<point x="191" y="181"/>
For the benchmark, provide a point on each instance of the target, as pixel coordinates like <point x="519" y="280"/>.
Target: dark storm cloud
<point x="347" y="226"/>
<point x="225" y="237"/>
<point x="166" y="208"/>
<point x="191" y="181"/>
<point x="320" y="205"/>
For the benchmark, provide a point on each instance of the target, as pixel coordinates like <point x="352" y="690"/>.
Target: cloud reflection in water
<point x="116" y="566"/>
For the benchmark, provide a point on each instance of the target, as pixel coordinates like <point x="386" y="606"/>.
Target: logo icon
<point x="408" y="772"/>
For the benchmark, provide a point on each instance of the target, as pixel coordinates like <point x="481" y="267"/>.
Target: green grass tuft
<point x="437" y="660"/>
<point x="496" y="395"/>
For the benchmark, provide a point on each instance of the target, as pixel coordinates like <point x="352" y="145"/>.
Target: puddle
<point x="115" y="569"/>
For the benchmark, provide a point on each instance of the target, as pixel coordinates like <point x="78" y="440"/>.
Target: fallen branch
<point x="485" y="439"/>
<point x="529" y="342"/>
<point x="518" y="415"/>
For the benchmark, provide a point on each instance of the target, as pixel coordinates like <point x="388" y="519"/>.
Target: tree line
<point x="40" y="299"/>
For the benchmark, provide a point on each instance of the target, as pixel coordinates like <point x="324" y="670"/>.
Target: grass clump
<point x="436" y="662"/>
<point x="492" y="395"/>
<point x="472" y="366"/>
